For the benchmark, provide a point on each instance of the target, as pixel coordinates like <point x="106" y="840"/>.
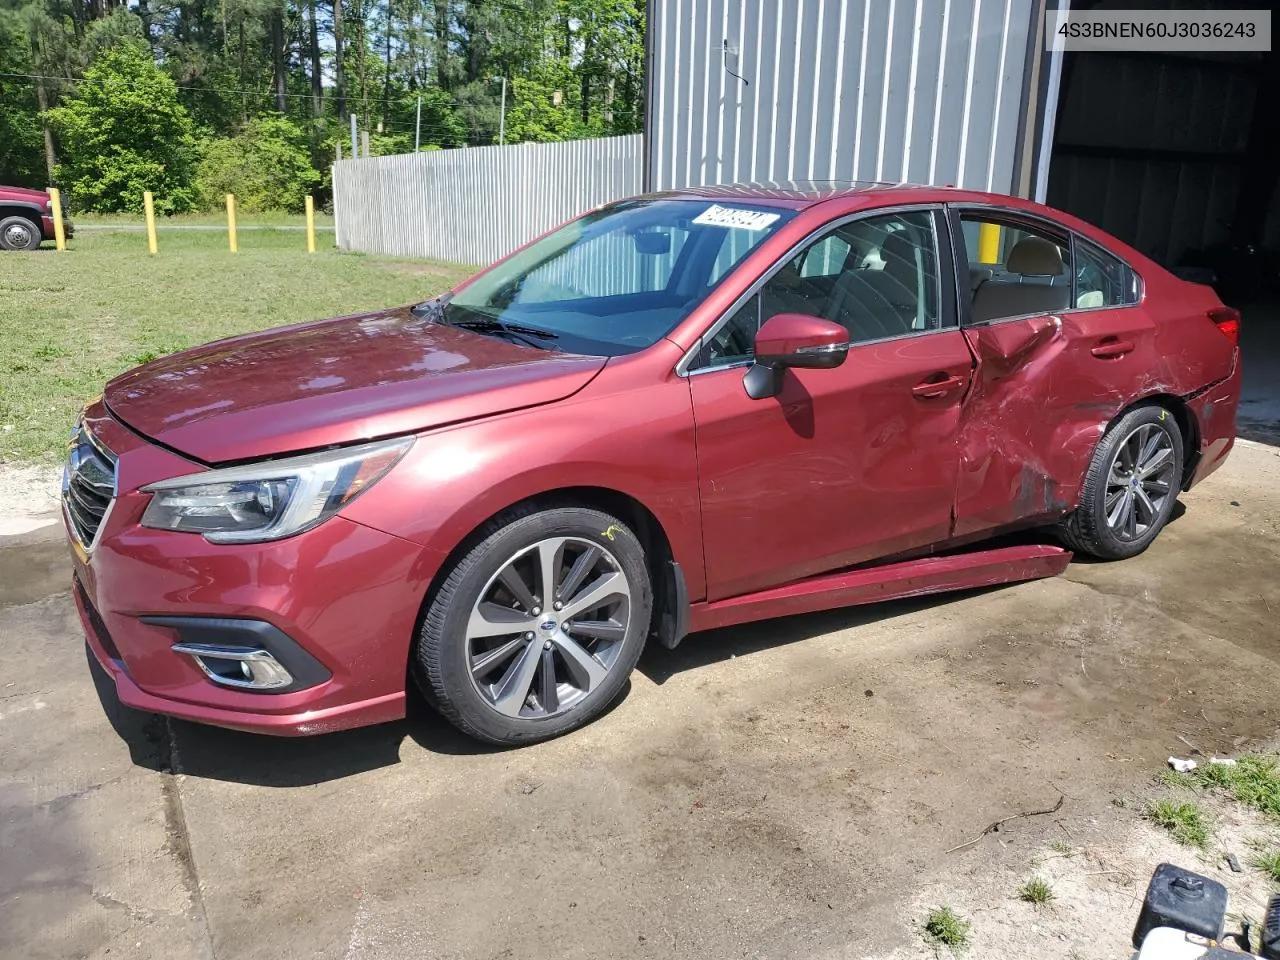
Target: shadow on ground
<point x="169" y="745"/>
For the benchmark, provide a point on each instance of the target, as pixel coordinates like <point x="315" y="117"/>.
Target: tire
<point x="499" y="583"/>
<point x="19" y="233"/>
<point x="1130" y="488"/>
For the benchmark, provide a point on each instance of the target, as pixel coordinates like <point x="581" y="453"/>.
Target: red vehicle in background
<point x="26" y="219"/>
<point x="677" y="412"/>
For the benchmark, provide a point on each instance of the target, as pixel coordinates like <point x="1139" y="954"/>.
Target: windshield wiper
<point x="530" y="335"/>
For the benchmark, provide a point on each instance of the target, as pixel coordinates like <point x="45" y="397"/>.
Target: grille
<point x="88" y="484"/>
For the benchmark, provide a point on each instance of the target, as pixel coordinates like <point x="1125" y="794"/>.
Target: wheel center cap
<point x="548" y="625"/>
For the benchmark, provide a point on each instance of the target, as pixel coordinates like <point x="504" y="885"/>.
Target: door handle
<point x="932" y="389"/>
<point x="1111" y="349"/>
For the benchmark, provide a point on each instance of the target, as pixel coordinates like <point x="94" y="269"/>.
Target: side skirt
<point x="892" y="581"/>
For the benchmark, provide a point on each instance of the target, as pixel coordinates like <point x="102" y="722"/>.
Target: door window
<point x="875" y="276"/>
<point x="1014" y="270"/>
<point x="1101" y="280"/>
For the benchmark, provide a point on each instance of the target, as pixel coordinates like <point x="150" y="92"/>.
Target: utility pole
<point x="355" y="152"/>
<point x="417" y="127"/>
<point x="502" y="116"/>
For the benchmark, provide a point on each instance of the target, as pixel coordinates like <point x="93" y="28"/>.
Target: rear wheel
<point x="534" y="632"/>
<point x="1131" y="486"/>
<point x="19" y="233"/>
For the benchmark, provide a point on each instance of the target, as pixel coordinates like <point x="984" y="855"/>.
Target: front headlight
<point x="271" y="500"/>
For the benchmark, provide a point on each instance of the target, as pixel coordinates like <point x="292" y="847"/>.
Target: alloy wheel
<point x="1140" y="482"/>
<point x="548" y="627"/>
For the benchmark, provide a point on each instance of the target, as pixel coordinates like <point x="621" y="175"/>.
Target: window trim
<point x="1011" y="217"/>
<point x="947" y="308"/>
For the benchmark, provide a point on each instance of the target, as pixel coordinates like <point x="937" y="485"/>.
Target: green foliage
<point x="1268" y="861"/>
<point x="1184" y="820"/>
<point x="946" y="928"/>
<point x="21" y="139"/>
<point x="124" y="132"/>
<point x="133" y="86"/>
<point x="1254" y="780"/>
<point x="266" y="166"/>
<point x="441" y="126"/>
<point x="1036" y="892"/>
<point x="533" y="113"/>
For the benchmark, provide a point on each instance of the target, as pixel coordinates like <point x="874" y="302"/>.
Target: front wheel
<point x="1131" y="486"/>
<point x="534" y="632"/>
<point x="19" y="233"/>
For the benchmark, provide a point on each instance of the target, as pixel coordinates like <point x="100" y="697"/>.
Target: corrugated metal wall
<point x="477" y="204"/>
<point x="929" y="91"/>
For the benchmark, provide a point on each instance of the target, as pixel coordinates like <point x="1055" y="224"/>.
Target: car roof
<point x="852" y="196"/>
<point x="800" y="194"/>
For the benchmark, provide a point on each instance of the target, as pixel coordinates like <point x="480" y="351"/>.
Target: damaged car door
<point x="841" y="465"/>
<point x="1061" y="346"/>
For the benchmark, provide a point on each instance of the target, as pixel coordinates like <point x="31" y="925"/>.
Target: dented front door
<point x="1044" y="389"/>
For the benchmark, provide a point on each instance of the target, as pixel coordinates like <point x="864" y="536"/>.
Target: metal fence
<point x="476" y="204"/>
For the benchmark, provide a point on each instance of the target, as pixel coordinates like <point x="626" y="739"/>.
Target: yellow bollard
<point x="311" y="225"/>
<point x="59" y="234"/>
<point x="150" y="209"/>
<point x="231" y="221"/>
<point x="988" y="243"/>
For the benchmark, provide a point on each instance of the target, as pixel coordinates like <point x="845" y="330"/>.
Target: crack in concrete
<point x="179" y="840"/>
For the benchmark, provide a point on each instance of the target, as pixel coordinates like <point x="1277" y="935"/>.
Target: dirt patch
<point x="1097" y="862"/>
<point x="782" y="789"/>
<point x="28" y="497"/>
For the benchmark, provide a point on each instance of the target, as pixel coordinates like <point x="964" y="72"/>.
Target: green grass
<point x="1268" y="861"/>
<point x="1181" y="818"/>
<point x="1061" y="847"/>
<point x="946" y="928"/>
<point x="1036" y="891"/>
<point x="1253" y="780"/>
<point x="71" y="321"/>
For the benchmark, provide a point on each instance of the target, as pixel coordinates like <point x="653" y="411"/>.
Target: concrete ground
<point x="786" y="789"/>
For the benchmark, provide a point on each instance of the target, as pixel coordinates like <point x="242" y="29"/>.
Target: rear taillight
<point x="1227" y="319"/>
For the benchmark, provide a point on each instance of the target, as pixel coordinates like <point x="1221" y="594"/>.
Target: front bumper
<point x="345" y="595"/>
<point x="46" y="227"/>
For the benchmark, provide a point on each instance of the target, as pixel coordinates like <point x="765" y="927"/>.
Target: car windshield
<point x="616" y="280"/>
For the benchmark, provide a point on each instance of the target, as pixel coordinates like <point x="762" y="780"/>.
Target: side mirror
<point x="793" y="340"/>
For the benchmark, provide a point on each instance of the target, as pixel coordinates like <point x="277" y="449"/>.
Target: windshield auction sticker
<point x="718" y="216"/>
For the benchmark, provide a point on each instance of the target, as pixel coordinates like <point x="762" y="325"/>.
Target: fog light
<point x="244" y="668"/>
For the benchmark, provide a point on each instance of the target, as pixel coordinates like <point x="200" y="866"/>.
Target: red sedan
<point x="677" y="412"/>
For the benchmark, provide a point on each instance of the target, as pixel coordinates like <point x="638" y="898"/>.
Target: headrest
<point x="1035" y="257"/>
<point x="899" y="255"/>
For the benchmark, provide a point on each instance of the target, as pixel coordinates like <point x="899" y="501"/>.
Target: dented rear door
<point x="1044" y="389"/>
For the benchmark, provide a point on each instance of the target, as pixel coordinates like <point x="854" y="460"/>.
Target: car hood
<point x="335" y="381"/>
<point x="25" y="193"/>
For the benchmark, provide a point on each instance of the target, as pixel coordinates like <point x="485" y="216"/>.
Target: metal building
<point x="931" y="91"/>
<point x="1173" y="152"/>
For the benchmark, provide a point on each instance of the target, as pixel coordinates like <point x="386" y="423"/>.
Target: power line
<point x="269" y="94"/>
